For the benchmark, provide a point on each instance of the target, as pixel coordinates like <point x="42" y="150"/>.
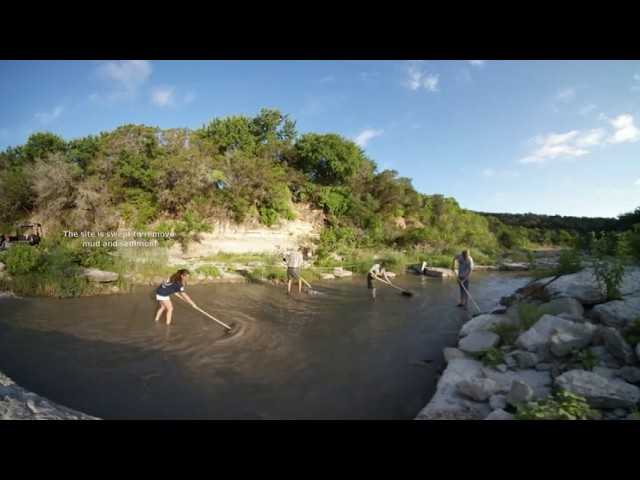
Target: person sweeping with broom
<point x="294" y="261"/>
<point x="175" y="284"/>
<point x="465" y="267"/>
<point x="377" y="270"/>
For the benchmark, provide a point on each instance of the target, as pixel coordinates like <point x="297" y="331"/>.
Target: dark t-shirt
<point x="167" y="288"/>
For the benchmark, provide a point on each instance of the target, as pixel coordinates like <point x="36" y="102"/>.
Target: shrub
<point x="507" y="331"/>
<point x="21" y="259"/>
<point x="561" y="406"/>
<point x="583" y="357"/>
<point x="631" y="332"/>
<point x="493" y="356"/>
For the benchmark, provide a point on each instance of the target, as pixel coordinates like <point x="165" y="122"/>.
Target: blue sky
<point x="547" y="137"/>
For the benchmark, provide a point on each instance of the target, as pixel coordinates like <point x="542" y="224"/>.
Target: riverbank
<point x="556" y="343"/>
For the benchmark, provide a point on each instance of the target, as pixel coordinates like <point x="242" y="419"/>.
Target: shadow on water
<point x="337" y="355"/>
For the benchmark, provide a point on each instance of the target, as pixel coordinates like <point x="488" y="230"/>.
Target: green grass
<point x="530" y="314"/>
<point x="52" y="285"/>
<point x="209" y="270"/>
<point x="507" y="331"/>
<point x="230" y="258"/>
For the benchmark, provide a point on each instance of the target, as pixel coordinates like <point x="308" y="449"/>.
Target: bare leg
<point x="289" y="287"/>
<point x="373" y="292"/>
<point x="160" y="312"/>
<point x="169" y="306"/>
<point x="299" y="285"/>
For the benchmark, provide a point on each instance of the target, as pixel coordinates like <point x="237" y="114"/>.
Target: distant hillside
<point x="555" y="222"/>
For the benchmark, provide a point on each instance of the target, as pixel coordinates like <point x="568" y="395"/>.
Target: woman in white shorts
<point x="175" y="284"/>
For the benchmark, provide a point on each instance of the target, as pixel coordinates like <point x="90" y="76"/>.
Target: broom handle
<point x="210" y="316"/>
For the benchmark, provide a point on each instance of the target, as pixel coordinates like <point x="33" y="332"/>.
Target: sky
<point x="505" y="136"/>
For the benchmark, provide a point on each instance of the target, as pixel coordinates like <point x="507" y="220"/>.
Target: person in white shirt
<point x="377" y="270"/>
<point x="465" y="267"/>
<point x="294" y="262"/>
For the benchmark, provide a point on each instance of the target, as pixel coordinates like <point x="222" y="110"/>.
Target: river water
<point x="335" y="355"/>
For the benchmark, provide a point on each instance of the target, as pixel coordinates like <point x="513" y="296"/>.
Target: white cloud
<point x="417" y="77"/>
<point x="124" y="77"/>
<point x="363" y="137"/>
<point x="626" y="130"/>
<point x="329" y="78"/>
<point x="638" y="182"/>
<point x="566" y="95"/>
<point x="636" y="77"/>
<point x="431" y="83"/>
<point x="48" y="117"/>
<point x="586" y="109"/>
<point x="167" y="97"/>
<point x="560" y="146"/>
<point x="477" y="63"/>
<point x="414" y="74"/>
<point x="591" y="138"/>
<point x="163" y="97"/>
<point x="576" y="143"/>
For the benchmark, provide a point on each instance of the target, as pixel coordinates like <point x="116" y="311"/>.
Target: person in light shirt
<point x="465" y="267"/>
<point x="377" y="270"/>
<point x="294" y="261"/>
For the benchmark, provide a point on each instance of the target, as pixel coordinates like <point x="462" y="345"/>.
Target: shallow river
<point x="335" y="355"/>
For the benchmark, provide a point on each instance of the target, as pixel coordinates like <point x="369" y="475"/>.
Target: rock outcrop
<point x="504" y="364"/>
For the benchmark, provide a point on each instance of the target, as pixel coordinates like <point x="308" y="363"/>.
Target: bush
<point x="508" y="332"/>
<point x="631" y="332"/>
<point x="493" y="356"/>
<point x="584" y="358"/>
<point x="561" y="406"/>
<point x="21" y="259"/>
<point x="609" y="264"/>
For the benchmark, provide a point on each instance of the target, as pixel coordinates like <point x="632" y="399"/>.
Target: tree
<point x="41" y="145"/>
<point x="329" y="159"/>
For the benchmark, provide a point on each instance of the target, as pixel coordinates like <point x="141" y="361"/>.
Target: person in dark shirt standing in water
<point x="175" y="284"/>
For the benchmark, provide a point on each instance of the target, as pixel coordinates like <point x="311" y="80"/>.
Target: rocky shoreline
<point x="16" y="403"/>
<point x="509" y="358"/>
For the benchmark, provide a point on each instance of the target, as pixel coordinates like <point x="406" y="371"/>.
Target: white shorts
<point x="161" y="297"/>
